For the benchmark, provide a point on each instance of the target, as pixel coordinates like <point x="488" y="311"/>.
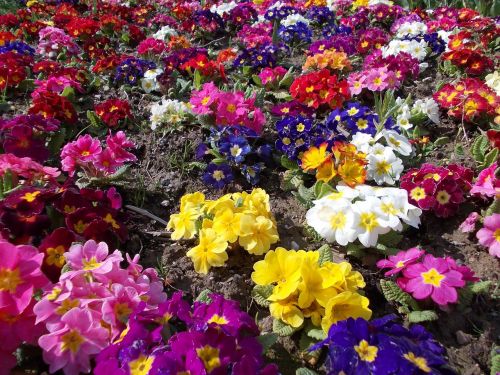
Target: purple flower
<point x="218" y="175"/>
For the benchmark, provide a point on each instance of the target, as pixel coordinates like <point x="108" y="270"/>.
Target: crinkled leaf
<point x="422" y="316"/>
<point x="305" y="371"/>
<point x="490" y="158"/>
<point x="289" y="164"/>
<point x="392" y="292"/>
<point x="283" y="329"/>
<point x="441" y="141"/>
<point x="325" y="254"/>
<point x="390" y="239"/>
<point x="267" y="340"/>
<point x="316" y="333"/>
<point x="479" y="148"/>
<point x="204" y="296"/>
<point x="260" y="293"/>
<point x="480" y="287"/>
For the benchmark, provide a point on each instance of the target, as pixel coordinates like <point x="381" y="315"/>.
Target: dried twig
<point x="146" y="213"/>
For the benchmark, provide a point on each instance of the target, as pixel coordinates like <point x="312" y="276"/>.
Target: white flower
<point x="397" y="141"/>
<point x="333" y="221"/>
<point x="418" y="49"/>
<point x="168" y="111"/>
<point x="370" y="221"/>
<point x="384" y="166"/>
<point x="293" y="19"/>
<point x="411" y="29"/>
<point x="363" y="142"/>
<point x="148" y="85"/>
<point x="223" y="8"/>
<point x="492" y="80"/>
<point x="413" y="216"/>
<point x="153" y="73"/>
<point x="164" y="32"/>
<point x="428" y="107"/>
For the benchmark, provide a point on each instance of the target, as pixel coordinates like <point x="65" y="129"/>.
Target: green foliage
<point x="260" y="293"/>
<point x="305" y="195"/>
<point x="267" y="340"/>
<point x="390" y="239"/>
<point x="204" y="296"/>
<point x="495" y="360"/>
<point x="283" y="329"/>
<point x="392" y="292"/>
<point x="422" y="316"/>
<point x="325" y="254"/>
<point x="494" y="208"/>
<point x="322" y="189"/>
<point x="316" y="333"/>
<point x="94" y="120"/>
<point x="292" y="180"/>
<point x="441" y="141"/>
<point x="459" y="150"/>
<point x="288" y="164"/>
<point x="9" y="6"/>
<point x="305" y="371"/>
<point x="480" y="287"/>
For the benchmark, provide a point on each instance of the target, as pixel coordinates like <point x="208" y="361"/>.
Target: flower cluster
<point x="132" y="70"/>
<point x="363" y="213"/>
<point x="465" y="54"/>
<point x="54" y="41"/>
<point x="467" y="99"/>
<point x="238" y="219"/>
<point x="425" y="276"/>
<point x="437" y="189"/>
<point x="382" y="346"/>
<point x="320" y="88"/>
<point x="489" y="235"/>
<point x="89" y="306"/>
<point x="212" y="337"/>
<point x="228" y="108"/>
<point x="113" y="112"/>
<point x="301" y="287"/>
<point x="169" y="112"/>
<point x="330" y="59"/>
<point x="87" y="154"/>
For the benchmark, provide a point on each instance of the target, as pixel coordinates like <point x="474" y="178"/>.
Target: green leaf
<point x="459" y="150"/>
<point x="322" y="189"/>
<point x="495" y="360"/>
<point x="490" y="158"/>
<point x="441" y="141"/>
<point x="480" y="287"/>
<point x="325" y="254"/>
<point x="422" y="316"/>
<point x="281" y="95"/>
<point x="479" y="148"/>
<point x="390" y="239"/>
<point x="494" y="208"/>
<point x="291" y="180"/>
<point x="197" y="79"/>
<point x="267" y="340"/>
<point x="56" y="141"/>
<point x="260" y="293"/>
<point x="305" y="371"/>
<point x="204" y="296"/>
<point x="287" y="78"/>
<point x="355" y="250"/>
<point x="392" y="292"/>
<point x="306" y="194"/>
<point x="317" y="334"/>
<point x="283" y="329"/>
<point x="257" y="80"/>
<point x="289" y="164"/>
<point x="94" y="120"/>
<point x="68" y="92"/>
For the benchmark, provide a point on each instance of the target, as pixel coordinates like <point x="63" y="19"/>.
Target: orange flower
<point x="314" y="157"/>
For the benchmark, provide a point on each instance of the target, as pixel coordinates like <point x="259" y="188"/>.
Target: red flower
<point x="113" y="111"/>
<point x="54" y="246"/>
<point x="54" y="105"/>
<point x="494" y="137"/>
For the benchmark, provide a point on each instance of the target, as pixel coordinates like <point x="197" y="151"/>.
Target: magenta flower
<point x="400" y="261"/>
<point x="20" y="276"/>
<point x="469" y="224"/>
<point x="71" y="346"/>
<point x="489" y="235"/>
<point x="432" y="278"/>
<point x="84" y="149"/>
<point x="487" y="184"/>
<point x="203" y="99"/>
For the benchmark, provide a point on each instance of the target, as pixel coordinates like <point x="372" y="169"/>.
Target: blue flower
<point x="299" y="32"/>
<point x="202" y="150"/>
<point x="252" y="172"/>
<point x="218" y="175"/>
<point x="265" y="152"/>
<point x="235" y="148"/>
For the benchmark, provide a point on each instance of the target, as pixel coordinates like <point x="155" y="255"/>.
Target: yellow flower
<point x="326" y="171"/>
<point x="316" y="284"/>
<point x="192" y="200"/>
<point x="282" y="267"/>
<point x="261" y="234"/>
<point x="343" y="306"/>
<point x="352" y="172"/>
<point x="257" y="202"/>
<point x="184" y="224"/>
<point x="229" y="225"/>
<point x="287" y="311"/>
<point x="224" y="202"/>
<point x="315" y="312"/>
<point x="211" y="251"/>
<point x="314" y="157"/>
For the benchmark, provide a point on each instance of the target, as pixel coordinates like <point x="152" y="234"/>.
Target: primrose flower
<point x="210" y="252"/>
<point x="20" y="276"/>
<point x="262" y="233"/>
<point x="397" y="141"/>
<point x="487" y="184"/>
<point x="92" y="257"/>
<point x="343" y="306"/>
<point x="400" y="261"/>
<point x="218" y="175"/>
<point x="370" y="221"/>
<point x="384" y="167"/>
<point x="71" y="346"/>
<point x="432" y="278"/>
<point x="489" y="235"/>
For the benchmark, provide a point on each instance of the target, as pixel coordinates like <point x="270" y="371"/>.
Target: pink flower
<point x="489" y="235"/>
<point x="469" y="224"/>
<point x="356" y="83"/>
<point x="231" y="108"/>
<point x="92" y="257"/>
<point x="71" y="346"/>
<point x="20" y="276"/>
<point x="203" y="99"/>
<point x="119" y="143"/>
<point x="84" y="149"/>
<point x="433" y="278"/>
<point x="106" y="161"/>
<point x="401" y="260"/>
<point x="467" y="273"/>
<point x="487" y="184"/>
<point x="8" y="361"/>
<point x="376" y="80"/>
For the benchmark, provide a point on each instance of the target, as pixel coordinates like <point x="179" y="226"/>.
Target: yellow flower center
<point x="235" y="150"/>
<point x="388" y="208"/>
<point x="362" y="124"/>
<point x="301" y="127"/>
<point x="382" y="167"/>
<point x="90" y="264"/>
<point x="55" y="256"/>
<point x="205" y="100"/>
<point x="231" y="108"/>
<point x="368" y="221"/>
<point x="30" y="197"/>
<point x="109" y="219"/>
<point x="286" y="141"/>
<point x="432" y="277"/>
<point x="400" y="264"/>
<point x="394" y="141"/>
<point x="141" y="365"/>
<point x="218" y="175"/>
<point x="54" y="294"/>
<point x="310" y="89"/>
<point x="366" y="352"/>
<point x="67" y="305"/>
<point x="85" y="153"/>
<point x="338" y="220"/>
<point x="352" y="111"/>
<point x="417" y="193"/>
<point x="71" y="341"/>
<point x="122" y="311"/>
<point x="9" y="280"/>
<point x="496" y="234"/>
<point x="420" y="362"/>
<point x="217" y="319"/>
<point x="443" y="197"/>
<point x="436" y="177"/>
<point x="209" y="356"/>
